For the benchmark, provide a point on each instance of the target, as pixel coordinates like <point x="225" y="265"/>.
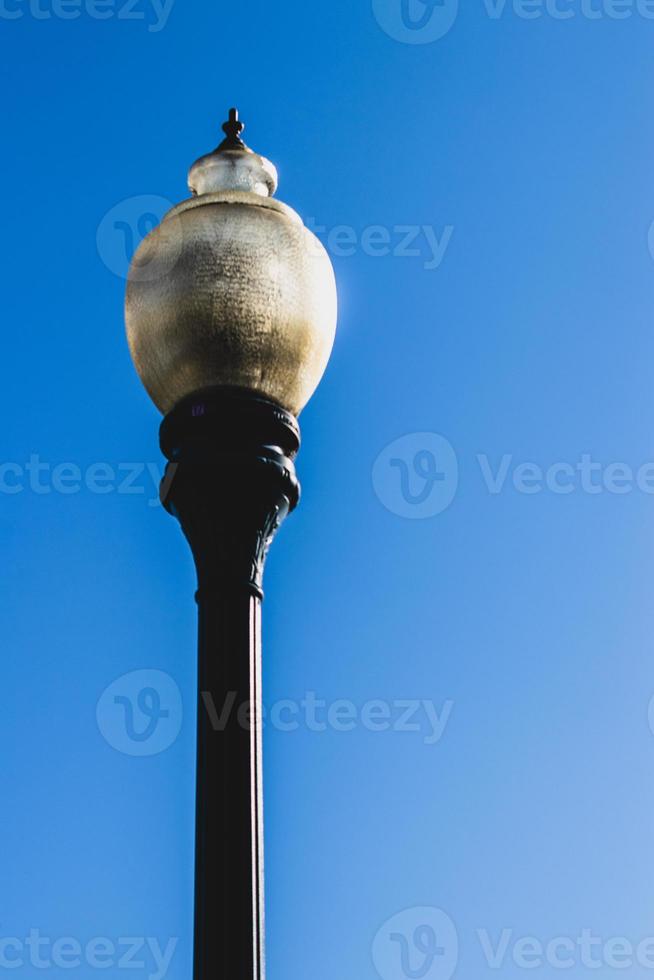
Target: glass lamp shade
<point x="231" y="289"/>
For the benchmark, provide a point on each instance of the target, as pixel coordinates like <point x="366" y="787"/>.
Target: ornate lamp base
<point x="230" y="481"/>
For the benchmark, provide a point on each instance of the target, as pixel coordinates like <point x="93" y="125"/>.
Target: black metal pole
<point x="230" y="481"/>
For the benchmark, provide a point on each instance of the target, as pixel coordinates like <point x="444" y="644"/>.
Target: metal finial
<point x="232" y="166"/>
<point x="233" y="129"/>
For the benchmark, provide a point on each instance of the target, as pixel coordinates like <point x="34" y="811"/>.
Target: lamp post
<point x="230" y="313"/>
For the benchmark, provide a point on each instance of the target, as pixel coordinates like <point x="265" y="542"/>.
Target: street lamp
<point x="230" y="313"/>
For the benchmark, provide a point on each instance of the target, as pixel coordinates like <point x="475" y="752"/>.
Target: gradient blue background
<point x="532" y="613"/>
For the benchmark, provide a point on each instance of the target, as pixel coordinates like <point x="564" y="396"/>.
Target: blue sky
<point x="474" y="554"/>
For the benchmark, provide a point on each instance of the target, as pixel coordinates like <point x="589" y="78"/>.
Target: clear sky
<point x="483" y="180"/>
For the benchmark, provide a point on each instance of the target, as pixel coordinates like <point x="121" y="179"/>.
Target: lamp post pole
<point x="230" y="481"/>
<point x="230" y="314"/>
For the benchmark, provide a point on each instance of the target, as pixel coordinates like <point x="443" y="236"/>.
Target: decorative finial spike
<point x="232" y="166"/>
<point x="233" y="129"/>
